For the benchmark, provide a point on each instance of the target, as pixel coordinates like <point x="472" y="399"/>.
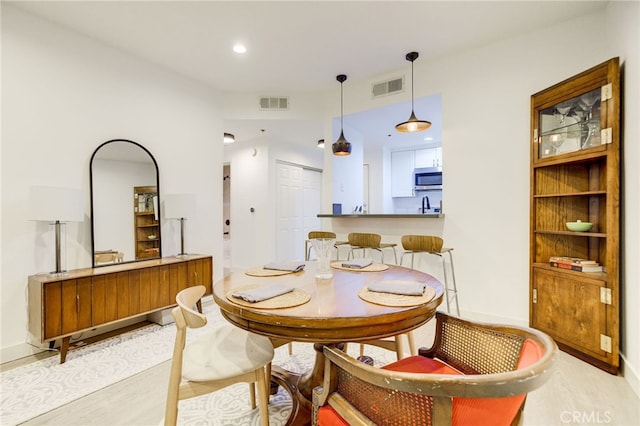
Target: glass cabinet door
<point x="571" y="125"/>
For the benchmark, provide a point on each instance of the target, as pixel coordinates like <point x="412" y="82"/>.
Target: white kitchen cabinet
<point x="402" y="165"/>
<point x="428" y="157"/>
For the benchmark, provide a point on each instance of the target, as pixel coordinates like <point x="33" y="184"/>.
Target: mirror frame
<point x="93" y="248"/>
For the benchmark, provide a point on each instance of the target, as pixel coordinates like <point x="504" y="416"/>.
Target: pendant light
<point x="412" y="124"/>
<point x="342" y="145"/>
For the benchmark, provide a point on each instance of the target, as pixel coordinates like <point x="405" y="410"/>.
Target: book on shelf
<point x="579" y="268"/>
<point x="572" y="260"/>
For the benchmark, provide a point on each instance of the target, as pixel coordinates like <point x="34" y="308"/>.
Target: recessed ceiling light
<point x="229" y="138"/>
<point x="239" y="48"/>
<point x="428" y="138"/>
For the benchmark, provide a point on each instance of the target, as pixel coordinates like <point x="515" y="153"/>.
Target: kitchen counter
<point x="390" y="226"/>
<point x="384" y="216"/>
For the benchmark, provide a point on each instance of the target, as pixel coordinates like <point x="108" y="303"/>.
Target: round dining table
<point x="330" y="312"/>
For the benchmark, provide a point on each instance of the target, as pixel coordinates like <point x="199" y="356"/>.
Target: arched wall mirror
<point x="125" y="201"/>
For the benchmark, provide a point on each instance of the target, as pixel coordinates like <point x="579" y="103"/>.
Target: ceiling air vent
<point x="274" y="103"/>
<point x="388" y="87"/>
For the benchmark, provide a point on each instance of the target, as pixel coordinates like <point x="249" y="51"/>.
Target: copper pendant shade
<point x="342" y="145"/>
<point x="412" y="124"/>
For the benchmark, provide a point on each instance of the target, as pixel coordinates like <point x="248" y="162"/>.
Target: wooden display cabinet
<point x="575" y="175"/>
<point x="146" y="226"/>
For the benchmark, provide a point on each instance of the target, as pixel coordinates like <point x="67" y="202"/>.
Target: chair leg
<point x="446" y="282"/>
<point x="263" y="396"/>
<point x="252" y="395"/>
<point x="399" y="352"/>
<point x="453" y="279"/>
<point x="290" y="348"/>
<point x="412" y="343"/>
<point x="171" y="412"/>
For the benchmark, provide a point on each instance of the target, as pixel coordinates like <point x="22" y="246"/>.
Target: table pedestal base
<point x="300" y="386"/>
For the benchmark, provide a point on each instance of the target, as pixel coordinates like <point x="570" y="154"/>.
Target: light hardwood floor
<point x="577" y="394"/>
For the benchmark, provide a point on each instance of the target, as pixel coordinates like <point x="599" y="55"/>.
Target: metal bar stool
<point x="366" y="241"/>
<point x="430" y="244"/>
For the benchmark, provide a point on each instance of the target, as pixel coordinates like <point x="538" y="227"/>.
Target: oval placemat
<point x="374" y="267"/>
<point x="259" y="271"/>
<point x="396" y="300"/>
<point x="287" y="300"/>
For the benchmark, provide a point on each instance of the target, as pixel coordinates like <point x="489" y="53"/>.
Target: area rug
<point x="34" y="389"/>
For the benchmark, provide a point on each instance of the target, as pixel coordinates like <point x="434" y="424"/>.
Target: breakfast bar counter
<point x="385" y="216"/>
<point x="390" y="226"/>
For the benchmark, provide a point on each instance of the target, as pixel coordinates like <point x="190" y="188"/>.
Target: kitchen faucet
<point x="428" y="205"/>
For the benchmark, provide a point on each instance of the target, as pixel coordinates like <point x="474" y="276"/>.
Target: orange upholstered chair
<point x="474" y="374"/>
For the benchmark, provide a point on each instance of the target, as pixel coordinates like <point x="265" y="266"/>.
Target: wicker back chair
<point x="473" y="374"/>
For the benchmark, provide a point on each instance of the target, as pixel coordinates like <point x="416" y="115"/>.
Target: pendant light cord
<point x="341" y="110"/>
<point x="412" y="86"/>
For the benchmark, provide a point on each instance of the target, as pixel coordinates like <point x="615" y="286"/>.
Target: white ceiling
<point x="299" y="46"/>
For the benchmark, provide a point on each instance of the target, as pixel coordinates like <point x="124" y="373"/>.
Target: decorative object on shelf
<point x="412" y="124"/>
<point x="56" y="206"/>
<point x="575" y="173"/>
<point x="180" y="207"/>
<point x="229" y="138"/>
<point x="579" y="226"/>
<point x="342" y="145"/>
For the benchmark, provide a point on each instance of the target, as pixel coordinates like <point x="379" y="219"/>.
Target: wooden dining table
<point x="334" y="313"/>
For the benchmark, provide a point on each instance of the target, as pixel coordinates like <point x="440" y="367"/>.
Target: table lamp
<point x="56" y="206"/>
<point x="180" y="206"/>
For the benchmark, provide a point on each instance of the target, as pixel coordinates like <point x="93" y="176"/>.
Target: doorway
<point x="299" y="200"/>
<point x="226" y="215"/>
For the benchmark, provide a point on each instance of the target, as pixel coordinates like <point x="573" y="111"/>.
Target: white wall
<point x="62" y="96"/>
<point x="486" y="108"/>
<point x="253" y="185"/>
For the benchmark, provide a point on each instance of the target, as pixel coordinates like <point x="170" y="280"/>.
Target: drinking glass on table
<point x="323" y="247"/>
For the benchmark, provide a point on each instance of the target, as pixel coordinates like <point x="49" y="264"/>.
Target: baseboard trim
<point x="630" y="375"/>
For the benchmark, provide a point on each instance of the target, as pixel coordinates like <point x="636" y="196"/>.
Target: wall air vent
<point x="389" y="87"/>
<point x="274" y="103"/>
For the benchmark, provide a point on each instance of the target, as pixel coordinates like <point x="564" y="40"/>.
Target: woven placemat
<point x="259" y="271"/>
<point x="397" y="300"/>
<point x="374" y="267"/>
<point x="287" y="300"/>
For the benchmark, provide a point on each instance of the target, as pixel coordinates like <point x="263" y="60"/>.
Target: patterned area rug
<point x="33" y="389"/>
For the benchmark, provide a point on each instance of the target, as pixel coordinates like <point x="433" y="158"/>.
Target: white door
<point x="299" y="195"/>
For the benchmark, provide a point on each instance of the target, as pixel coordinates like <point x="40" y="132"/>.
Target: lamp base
<point x="58" y="273"/>
<point x="182" y="256"/>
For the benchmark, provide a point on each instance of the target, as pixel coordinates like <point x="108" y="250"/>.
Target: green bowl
<point x="579" y="226"/>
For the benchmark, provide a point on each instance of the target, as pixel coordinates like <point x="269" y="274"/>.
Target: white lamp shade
<point x="48" y="204"/>
<point x="178" y="206"/>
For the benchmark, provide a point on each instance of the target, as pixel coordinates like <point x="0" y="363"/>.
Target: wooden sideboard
<point x="84" y="299"/>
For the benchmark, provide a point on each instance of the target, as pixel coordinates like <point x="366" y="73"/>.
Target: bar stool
<point x="430" y="244"/>
<point x="364" y="241"/>
<point x="321" y="234"/>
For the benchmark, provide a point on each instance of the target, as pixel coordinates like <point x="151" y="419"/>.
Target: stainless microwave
<point x="427" y="179"/>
